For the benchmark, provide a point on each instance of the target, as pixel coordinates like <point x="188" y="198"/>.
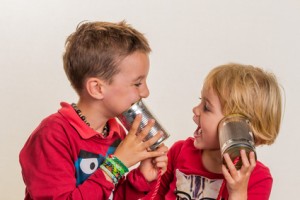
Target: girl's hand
<point x="150" y="167"/>
<point x="133" y="149"/>
<point x="237" y="180"/>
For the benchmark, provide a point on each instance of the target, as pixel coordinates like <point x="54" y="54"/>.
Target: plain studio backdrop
<point x="188" y="39"/>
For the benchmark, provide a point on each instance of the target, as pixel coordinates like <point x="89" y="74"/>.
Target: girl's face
<point x="207" y="116"/>
<point x="129" y="85"/>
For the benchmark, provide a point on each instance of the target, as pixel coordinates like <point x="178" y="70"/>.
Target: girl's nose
<point x="196" y="110"/>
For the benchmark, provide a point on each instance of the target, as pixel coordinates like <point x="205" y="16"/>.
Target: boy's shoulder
<point x="51" y="125"/>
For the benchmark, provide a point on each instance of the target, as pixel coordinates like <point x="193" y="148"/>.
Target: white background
<point x="188" y="38"/>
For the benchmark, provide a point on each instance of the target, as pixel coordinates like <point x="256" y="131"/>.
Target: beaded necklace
<point x="83" y="118"/>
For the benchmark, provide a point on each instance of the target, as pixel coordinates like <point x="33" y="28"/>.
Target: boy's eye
<point x="138" y="84"/>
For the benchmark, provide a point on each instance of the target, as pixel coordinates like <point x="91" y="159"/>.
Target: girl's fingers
<point x="244" y="158"/>
<point x="248" y="163"/>
<point x="230" y="165"/>
<point x="226" y="174"/>
<point x="252" y="159"/>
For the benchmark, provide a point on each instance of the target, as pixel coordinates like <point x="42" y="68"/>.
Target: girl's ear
<point x="95" y="87"/>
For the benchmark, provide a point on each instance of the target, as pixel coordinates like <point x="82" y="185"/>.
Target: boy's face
<point x="207" y="116"/>
<point x="129" y="85"/>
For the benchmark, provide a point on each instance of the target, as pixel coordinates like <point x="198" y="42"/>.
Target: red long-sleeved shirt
<point x="187" y="178"/>
<point x="61" y="160"/>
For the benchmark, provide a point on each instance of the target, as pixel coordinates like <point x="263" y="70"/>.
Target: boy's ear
<point x="94" y="87"/>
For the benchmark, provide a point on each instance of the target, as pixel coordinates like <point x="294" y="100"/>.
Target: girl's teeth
<point x="199" y="131"/>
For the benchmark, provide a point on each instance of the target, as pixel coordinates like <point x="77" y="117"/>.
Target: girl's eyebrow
<point x="207" y="100"/>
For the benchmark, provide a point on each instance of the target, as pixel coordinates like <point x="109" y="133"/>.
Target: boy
<point x="81" y="152"/>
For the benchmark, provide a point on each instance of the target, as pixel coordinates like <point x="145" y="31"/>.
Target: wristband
<point x="119" y="162"/>
<point x="114" y="179"/>
<point x="114" y="168"/>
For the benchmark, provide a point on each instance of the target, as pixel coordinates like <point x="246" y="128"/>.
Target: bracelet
<point x="114" y="179"/>
<point x="119" y="162"/>
<point x="114" y="168"/>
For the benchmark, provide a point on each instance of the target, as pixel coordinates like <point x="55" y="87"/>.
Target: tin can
<point x="235" y="133"/>
<point x="127" y="118"/>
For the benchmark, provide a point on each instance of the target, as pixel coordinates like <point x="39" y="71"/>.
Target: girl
<point x="195" y="168"/>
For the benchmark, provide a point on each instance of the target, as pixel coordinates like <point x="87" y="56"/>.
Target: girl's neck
<point x="212" y="161"/>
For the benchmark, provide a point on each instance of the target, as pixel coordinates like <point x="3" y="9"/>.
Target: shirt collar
<point x="82" y="128"/>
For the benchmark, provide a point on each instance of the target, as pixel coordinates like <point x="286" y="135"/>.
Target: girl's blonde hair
<point x="251" y="92"/>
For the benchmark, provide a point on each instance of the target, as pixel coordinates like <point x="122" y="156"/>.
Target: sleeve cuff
<point x="137" y="180"/>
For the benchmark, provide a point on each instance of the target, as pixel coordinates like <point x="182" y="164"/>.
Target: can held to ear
<point x="127" y="118"/>
<point x="235" y="133"/>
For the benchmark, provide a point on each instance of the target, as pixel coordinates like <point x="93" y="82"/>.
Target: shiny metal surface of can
<point x="235" y="133"/>
<point x="139" y="107"/>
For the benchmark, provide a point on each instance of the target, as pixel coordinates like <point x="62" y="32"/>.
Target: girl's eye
<point x="205" y="107"/>
<point x="138" y="84"/>
<point x="204" y="104"/>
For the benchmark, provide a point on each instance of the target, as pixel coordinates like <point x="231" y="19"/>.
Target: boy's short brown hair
<point x="96" y="48"/>
<point x="251" y="92"/>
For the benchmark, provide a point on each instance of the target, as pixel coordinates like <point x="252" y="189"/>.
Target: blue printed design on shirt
<point x="88" y="162"/>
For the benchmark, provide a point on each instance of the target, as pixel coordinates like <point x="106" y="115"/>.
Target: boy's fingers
<point x="153" y="139"/>
<point x="135" y="125"/>
<point x="143" y="134"/>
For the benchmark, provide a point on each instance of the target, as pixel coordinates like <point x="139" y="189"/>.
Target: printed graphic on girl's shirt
<point x="193" y="187"/>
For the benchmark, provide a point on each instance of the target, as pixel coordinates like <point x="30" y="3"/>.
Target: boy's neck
<point x="93" y="116"/>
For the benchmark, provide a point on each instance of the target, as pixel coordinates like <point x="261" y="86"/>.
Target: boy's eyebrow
<point x="139" y="78"/>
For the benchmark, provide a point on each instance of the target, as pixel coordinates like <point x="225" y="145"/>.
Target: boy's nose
<point x="144" y="92"/>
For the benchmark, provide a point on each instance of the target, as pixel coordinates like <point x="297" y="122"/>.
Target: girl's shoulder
<point x="183" y="144"/>
<point x="260" y="172"/>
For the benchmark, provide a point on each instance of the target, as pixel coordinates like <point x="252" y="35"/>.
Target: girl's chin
<point x="197" y="145"/>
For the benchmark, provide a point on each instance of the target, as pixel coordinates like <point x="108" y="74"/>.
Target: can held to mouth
<point x="127" y="118"/>
<point x="235" y="134"/>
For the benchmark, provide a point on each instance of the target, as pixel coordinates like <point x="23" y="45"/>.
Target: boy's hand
<point x="149" y="167"/>
<point x="133" y="149"/>
<point x="237" y="180"/>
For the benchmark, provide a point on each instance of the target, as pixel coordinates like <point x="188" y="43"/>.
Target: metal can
<point x="127" y="118"/>
<point x="235" y="133"/>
